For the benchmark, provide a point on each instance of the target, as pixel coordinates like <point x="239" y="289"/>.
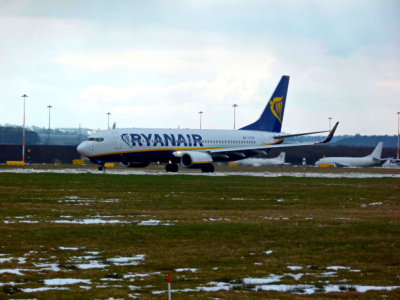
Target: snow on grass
<point x="65" y="281"/>
<point x="68" y="248"/>
<point x="5" y="259"/>
<point x="152" y="222"/>
<point x="336" y="268"/>
<point x="162" y="173"/>
<point x="193" y="270"/>
<point x="47" y="267"/>
<point x="91" y="265"/>
<point x="264" y="280"/>
<point x="88" y="221"/>
<point x="13" y="271"/>
<point x="44" y="289"/>
<point x="140" y="275"/>
<point x="127" y="261"/>
<point x="216" y="219"/>
<point x="294" y="268"/>
<point x="268" y="252"/>
<point x="371" y="204"/>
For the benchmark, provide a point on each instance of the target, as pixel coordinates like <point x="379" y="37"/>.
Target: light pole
<point x="48" y="133"/>
<point x="108" y="120"/>
<point x="200" y="113"/>
<point x="23" y="131"/>
<point x="330" y="120"/>
<point x="234" y="115"/>
<point x="398" y="134"/>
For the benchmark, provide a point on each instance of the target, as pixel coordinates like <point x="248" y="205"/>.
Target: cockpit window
<point x="96" y="139"/>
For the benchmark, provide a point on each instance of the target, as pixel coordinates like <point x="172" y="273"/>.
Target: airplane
<point x="262" y="161"/>
<point x="367" y="161"/>
<point x="195" y="148"/>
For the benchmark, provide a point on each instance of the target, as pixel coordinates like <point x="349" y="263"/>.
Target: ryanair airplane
<point x="191" y="148"/>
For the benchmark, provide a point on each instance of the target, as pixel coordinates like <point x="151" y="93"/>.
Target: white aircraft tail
<point x="376" y="154"/>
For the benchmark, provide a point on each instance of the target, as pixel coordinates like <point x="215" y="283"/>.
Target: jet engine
<point x="195" y="159"/>
<point x="135" y="164"/>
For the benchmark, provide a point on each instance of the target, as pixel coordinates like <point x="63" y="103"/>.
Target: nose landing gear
<point x="207" y="169"/>
<point x="171" y="168"/>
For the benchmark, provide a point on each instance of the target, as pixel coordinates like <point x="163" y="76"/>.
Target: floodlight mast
<point x="200" y="113"/>
<point x="108" y="120"/>
<point x="23" y="131"/>
<point x="398" y="134"/>
<point x="48" y="132"/>
<point x="234" y="115"/>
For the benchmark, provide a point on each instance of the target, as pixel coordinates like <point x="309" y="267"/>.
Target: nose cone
<point x="82" y="148"/>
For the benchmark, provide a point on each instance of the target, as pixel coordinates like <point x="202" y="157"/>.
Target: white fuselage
<point x="258" y="162"/>
<point x="158" y="145"/>
<point x="361" y="162"/>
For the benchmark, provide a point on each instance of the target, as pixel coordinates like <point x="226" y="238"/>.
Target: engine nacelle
<point x="195" y="159"/>
<point x="135" y="164"/>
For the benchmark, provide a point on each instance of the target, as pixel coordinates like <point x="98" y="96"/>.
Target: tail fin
<point x="272" y="116"/>
<point x="377" y="151"/>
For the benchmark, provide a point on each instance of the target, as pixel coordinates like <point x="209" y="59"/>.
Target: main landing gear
<point x="208" y="169"/>
<point x="171" y="168"/>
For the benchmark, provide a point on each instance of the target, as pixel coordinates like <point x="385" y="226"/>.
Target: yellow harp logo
<point x="276" y="106"/>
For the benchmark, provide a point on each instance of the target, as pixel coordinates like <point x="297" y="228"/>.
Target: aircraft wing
<point x="240" y="151"/>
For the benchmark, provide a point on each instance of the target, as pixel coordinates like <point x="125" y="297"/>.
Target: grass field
<point x="96" y="236"/>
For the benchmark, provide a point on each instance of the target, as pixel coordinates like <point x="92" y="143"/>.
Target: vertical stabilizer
<point x="377" y="151"/>
<point x="272" y="116"/>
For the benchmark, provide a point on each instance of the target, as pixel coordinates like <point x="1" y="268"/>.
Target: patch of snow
<point x="268" y="252"/>
<point x="141" y="275"/>
<point x="336" y="268"/>
<point x="13" y="271"/>
<point x="296" y="289"/>
<point x="93" y="252"/>
<point x="44" y="289"/>
<point x="85" y="287"/>
<point x="371" y="204"/>
<point x="265" y="280"/>
<point x="193" y="270"/>
<point x="88" y="221"/>
<point x="65" y="281"/>
<point x="294" y="276"/>
<point x="294" y="268"/>
<point x="29" y="222"/>
<point x="48" y="267"/>
<point x="69" y="248"/>
<point x="91" y="265"/>
<point x="127" y="261"/>
<point x="152" y="222"/>
<point x="3" y="260"/>
<point x="219" y="174"/>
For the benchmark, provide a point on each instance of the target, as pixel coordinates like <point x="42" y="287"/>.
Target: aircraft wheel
<point x="208" y="169"/>
<point x="101" y="168"/>
<point x="171" y="168"/>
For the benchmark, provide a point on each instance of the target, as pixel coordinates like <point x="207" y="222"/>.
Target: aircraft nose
<point x="82" y="148"/>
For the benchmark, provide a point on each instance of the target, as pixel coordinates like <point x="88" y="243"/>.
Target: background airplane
<point x="191" y="148"/>
<point x="261" y="161"/>
<point x="367" y="161"/>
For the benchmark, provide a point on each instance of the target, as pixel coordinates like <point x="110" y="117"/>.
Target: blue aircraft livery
<point x="195" y="148"/>
<point x="163" y="140"/>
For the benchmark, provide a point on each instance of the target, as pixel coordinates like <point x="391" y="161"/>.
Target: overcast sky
<point x="158" y="63"/>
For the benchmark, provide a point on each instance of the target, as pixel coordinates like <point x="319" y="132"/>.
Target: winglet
<point x="330" y="135"/>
